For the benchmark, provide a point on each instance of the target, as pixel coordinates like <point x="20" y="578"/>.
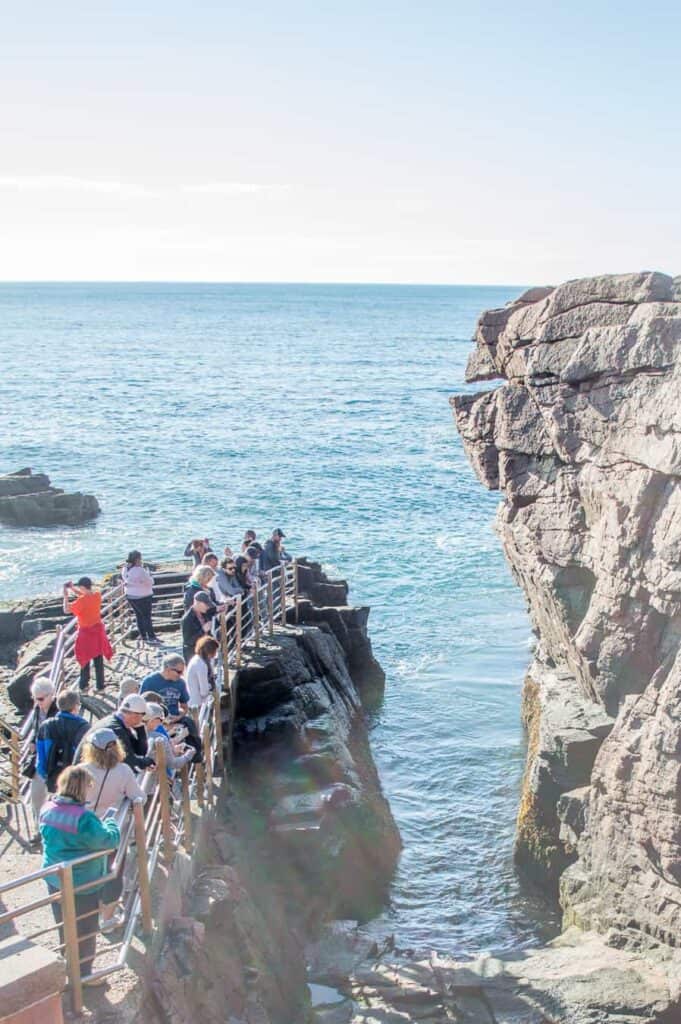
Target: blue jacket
<point x="58" y="739"/>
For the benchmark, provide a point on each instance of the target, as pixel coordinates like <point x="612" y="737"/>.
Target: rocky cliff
<point x="583" y="440"/>
<point x="304" y="834"/>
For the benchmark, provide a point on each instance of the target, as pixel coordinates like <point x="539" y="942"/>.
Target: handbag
<point x="28" y="766"/>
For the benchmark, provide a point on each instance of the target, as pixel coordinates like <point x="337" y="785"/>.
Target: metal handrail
<point x="155" y="832"/>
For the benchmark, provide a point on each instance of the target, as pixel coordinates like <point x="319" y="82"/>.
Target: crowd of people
<point x="80" y="774"/>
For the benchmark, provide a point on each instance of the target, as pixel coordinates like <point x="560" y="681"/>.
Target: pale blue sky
<point x="447" y="143"/>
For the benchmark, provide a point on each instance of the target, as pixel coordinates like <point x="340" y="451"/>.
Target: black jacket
<point x="134" y="741"/>
<point x="58" y="741"/>
<point x="192" y="630"/>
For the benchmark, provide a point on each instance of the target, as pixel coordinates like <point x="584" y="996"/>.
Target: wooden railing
<point x="153" y="830"/>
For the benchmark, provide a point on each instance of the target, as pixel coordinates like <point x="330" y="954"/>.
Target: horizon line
<point x="340" y="284"/>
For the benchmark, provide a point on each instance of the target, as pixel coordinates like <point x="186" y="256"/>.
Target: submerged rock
<point x="28" y="499"/>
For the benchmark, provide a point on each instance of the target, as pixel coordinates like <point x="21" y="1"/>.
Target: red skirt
<point x="91" y="641"/>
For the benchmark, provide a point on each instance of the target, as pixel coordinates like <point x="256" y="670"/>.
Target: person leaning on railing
<point x="45" y="706"/>
<point x="225" y="585"/>
<point x="200" y="579"/>
<point x="92" y="643"/>
<point x="274" y="552"/>
<point x="69" y="831"/>
<point x="200" y="673"/>
<point x="138" y="584"/>
<point x="169" y="683"/>
<point x="177" y="754"/>
<point x="128" y="725"/>
<point x="196" y="622"/>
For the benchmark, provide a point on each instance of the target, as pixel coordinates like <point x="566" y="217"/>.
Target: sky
<point x="442" y="142"/>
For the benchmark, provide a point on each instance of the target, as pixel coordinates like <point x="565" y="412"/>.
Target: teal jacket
<point x="70" y="830"/>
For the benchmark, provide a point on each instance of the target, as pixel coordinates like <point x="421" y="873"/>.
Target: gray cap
<point x="101" y="738"/>
<point x="155" y="711"/>
<point x="203" y="595"/>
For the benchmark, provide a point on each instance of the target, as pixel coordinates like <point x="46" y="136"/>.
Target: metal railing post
<point x="256" y="614"/>
<point x="237" y="630"/>
<point x="164" y="799"/>
<point x="15" y="764"/>
<point x="186" y="809"/>
<point x="270" y="602"/>
<point x="142" y="866"/>
<point x="70" y="929"/>
<point x="282" y="588"/>
<point x="217" y="726"/>
<point x="295" y="589"/>
<point x="224" y="651"/>
<point x="205" y="740"/>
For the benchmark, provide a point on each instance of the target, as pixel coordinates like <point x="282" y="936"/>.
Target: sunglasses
<point x="41" y="699"/>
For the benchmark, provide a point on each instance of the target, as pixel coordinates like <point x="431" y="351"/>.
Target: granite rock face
<point x="583" y="440"/>
<point x="28" y="499"/>
<point x="302" y="757"/>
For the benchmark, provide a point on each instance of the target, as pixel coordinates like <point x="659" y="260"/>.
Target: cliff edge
<point x="583" y="440"/>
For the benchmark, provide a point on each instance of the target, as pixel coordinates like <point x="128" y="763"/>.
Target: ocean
<point x="202" y="410"/>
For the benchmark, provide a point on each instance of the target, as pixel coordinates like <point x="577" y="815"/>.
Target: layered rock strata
<point x="583" y="439"/>
<point x="304" y="834"/>
<point x="28" y="499"/>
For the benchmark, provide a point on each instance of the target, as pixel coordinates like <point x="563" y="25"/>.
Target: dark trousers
<point x="87" y="912"/>
<point x="99" y="673"/>
<point x="141" y="606"/>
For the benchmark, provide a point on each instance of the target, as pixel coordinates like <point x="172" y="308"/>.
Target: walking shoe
<point x="35" y="841"/>
<point x="112" y="923"/>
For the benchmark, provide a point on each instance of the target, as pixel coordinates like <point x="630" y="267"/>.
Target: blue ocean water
<point x="206" y="409"/>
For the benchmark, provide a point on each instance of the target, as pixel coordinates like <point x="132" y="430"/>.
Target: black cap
<point x="279" y="532"/>
<point x="84" y="581"/>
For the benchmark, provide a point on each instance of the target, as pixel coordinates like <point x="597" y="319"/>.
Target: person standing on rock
<point x="138" y="583"/>
<point x="92" y="643"/>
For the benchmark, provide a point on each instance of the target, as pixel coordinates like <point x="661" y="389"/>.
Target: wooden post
<point x="205" y="740"/>
<point x="217" y="727"/>
<point x="164" y="800"/>
<point x="199" y="769"/>
<point x="270" y="602"/>
<point x="186" y="809"/>
<point x="142" y="866"/>
<point x="282" y="588"/>
<point x="70" y="930"/>
<point x="256" y="614"/>
<point x="295" y="588"/>
<point x="237" y="638"/>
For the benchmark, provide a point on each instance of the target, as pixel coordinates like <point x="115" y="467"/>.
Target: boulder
<point x="34" y="658"/>
<point x="29" y="500"/>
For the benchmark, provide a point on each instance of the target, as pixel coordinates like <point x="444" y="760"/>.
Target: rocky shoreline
<point x="582" y="441"/>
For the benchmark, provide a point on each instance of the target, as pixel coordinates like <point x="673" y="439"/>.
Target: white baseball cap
<point x="133" y="702"/>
